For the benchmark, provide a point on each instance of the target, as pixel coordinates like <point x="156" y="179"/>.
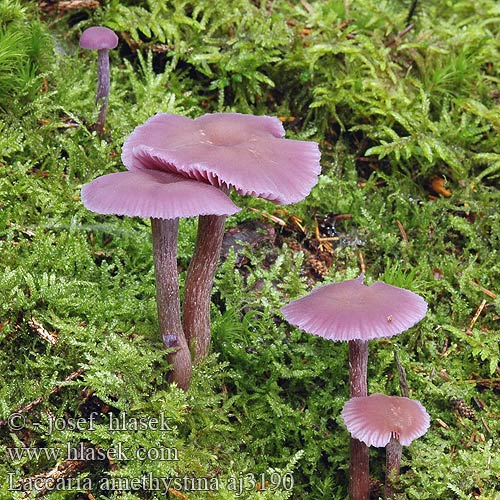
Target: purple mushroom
<point x="354" y="312"/>
<point x="101" y="39"/>
<point x="229" y="150"/>
<point x="390" y="421"/>
<point x="164" y="197"/>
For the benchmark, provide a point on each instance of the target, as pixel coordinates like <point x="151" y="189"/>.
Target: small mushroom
<point x="164" y="197"/>
<point x="231" y="151"/>
<point x="101" y="39"/>
<point x="354" y="312"/>
<point x="379" y="420"/>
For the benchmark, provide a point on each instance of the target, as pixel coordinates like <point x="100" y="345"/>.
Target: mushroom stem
<point x="394" y="449"/>
<point x="103" y="84"/>
<point x="358" y="367"/>
<point x="359" y="486"/>
<point x="393" y="453"/>
<point x="167" y="298"/>
<point x="199" y="282"/>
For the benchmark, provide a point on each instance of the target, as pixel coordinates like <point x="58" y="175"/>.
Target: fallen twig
<point x="269" y="216"/>
<point x="178" y="494"/>
<point x="442" y="424"/>
<point x="485" y="425"/>
<point x="403" y="383"/>
<point x="402" y="231"/>
<point x="67" y="5"/>
<point x="489" y="293"/>
<point x="476" y="316"/>
<point x="394" y="40"/>
<point x="54" y="390"/>
<point x="362" y="264"/>
<point x="42" y="331"/>
<point x="46" y="480"/>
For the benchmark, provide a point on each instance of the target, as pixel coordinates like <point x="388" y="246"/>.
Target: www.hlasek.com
<point x="91" y="454"/>
<point x="161" y="485"/>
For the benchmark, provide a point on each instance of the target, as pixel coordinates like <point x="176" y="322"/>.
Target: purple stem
<point x="394" y="450"/>
<point x="359" y="486"/>
<point x="199" y="282"/>
<point x="393" y="453"/>
<point x="103" y="84"/>
<point x="167" y="298"/>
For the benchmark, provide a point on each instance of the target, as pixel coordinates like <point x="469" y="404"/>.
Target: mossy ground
<point x="397" y="112"/>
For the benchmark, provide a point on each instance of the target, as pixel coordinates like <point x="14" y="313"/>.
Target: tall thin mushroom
<point x="101" y="39"/>
<point x="354" y="312"/>
<point x="390" y="421"/>
<point x="231" y="151"/>
<point x="164" y="197"/>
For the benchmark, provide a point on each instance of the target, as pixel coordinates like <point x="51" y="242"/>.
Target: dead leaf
<point x="438" y="185"/>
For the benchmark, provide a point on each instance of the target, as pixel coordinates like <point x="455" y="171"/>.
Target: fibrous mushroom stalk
<point x="393" y="454"/>
<point x="359" y="485"/>
<point x="167" y="298"/>
<point x="103" y="85"/>
<point x="199" y="282"/>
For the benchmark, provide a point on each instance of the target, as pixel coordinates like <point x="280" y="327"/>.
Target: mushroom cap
<point x="245" y="152"/>
<point x="98" y="37"/>
<point x="375" y="419"/>
<point x="161" y="195"/>
<point x="350" y="310"/>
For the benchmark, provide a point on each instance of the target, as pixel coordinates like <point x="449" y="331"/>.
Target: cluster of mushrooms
<point x="183" y="167"/>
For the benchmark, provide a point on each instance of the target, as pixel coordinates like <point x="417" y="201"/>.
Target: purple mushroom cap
<point x="161" y="195"/>
<point x="97" y="38"/>
<point x="245" y="152"/>
<point x="375" y="419"/>
<point x="350" y="310"/>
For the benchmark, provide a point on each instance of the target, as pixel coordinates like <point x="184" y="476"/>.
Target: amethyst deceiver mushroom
<point x="164" y="197"/>
<point x="101" y="39"/>
<point x="354" y="312"/>
<point x="379" y="420"/>
<point x="231" y="151"/>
